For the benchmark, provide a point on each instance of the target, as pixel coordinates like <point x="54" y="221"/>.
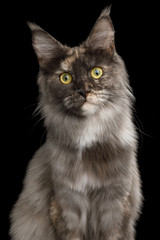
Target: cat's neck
<point x="84" y="133"/>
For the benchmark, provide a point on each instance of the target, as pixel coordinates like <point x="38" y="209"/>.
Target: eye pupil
<point x="66" y="77"/>
<point x="97" y="72"/>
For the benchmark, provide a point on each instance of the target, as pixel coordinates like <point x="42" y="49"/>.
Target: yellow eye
<point x="65" y="78"/>
<point x="96" y="72"/>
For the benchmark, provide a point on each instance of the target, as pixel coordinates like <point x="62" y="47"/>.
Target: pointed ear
<point x="102" y="34"/>
<point x="45" y="46"/>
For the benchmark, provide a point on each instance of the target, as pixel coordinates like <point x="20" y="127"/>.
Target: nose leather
<point x="83" y="92"/>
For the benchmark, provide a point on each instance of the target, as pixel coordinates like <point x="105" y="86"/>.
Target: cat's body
<point x="83" y="183"/>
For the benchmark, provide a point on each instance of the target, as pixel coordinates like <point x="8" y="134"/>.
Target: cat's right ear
<point x="45" y="46"/>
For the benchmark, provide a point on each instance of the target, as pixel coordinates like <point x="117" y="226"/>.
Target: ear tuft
<point x="106" y="12"/>
<point x="33" y="26"/>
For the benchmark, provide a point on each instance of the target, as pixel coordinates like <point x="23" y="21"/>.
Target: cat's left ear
<point x="102" y="34"/>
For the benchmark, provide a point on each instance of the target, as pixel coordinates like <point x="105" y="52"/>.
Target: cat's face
<point x="83" y="82"/>
<point x="80" y="81"/>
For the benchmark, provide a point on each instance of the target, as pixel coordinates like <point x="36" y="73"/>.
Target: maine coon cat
<point x="83" y="183"/>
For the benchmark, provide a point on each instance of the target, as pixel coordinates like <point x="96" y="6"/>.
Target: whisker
<point x="30" y="106"/>
<point x="37" y="111"/>
<point x="139" y="126"/>
<point x="36" y="123"/>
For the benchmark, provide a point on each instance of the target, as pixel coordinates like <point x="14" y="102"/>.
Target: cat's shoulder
<point x="40" y="159"/>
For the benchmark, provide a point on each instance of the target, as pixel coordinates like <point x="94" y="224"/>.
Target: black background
<point x="136" y="38"/>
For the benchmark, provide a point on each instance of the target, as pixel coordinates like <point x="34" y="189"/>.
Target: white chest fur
<point x="92" y="131"/>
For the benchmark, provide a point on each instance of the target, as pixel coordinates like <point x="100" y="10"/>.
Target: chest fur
<point x="97" y="167"/>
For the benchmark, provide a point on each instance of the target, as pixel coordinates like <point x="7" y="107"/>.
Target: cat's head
<point x="81" y="81"/>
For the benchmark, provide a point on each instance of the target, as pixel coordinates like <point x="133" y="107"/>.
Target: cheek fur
<point x="94" y="101"/>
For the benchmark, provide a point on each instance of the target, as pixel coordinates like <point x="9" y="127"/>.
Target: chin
<point x="89" y="109"/>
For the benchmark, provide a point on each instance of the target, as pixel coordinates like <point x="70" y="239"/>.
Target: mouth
<point x="91" y="99"/>
<point x="88" y="100"/>
<point x="83" y="106"/>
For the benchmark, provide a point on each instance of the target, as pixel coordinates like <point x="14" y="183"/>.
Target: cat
<point x="84" y="182"/>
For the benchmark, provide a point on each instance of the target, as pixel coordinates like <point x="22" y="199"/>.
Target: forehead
<point x="79" y="58"/>
<point x="74" y="55"/>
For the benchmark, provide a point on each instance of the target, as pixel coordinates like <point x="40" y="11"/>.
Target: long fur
<point x="83" y="183"/>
